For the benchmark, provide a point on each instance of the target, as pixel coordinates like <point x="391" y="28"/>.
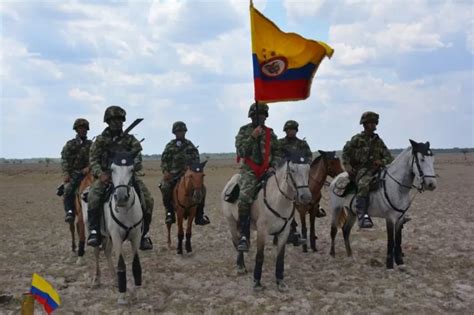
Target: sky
<point x="410" y="61"/>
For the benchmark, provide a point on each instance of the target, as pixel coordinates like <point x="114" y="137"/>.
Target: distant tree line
<point x="209" y="156"/>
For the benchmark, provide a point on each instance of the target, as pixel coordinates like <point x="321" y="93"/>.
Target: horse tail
<point x="341" y="217"/>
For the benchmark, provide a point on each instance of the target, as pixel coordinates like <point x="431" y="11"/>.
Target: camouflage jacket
<point x="177" y="155"/>
<point x="247" y="146"/>
<point x="105" y="144"/>
<point x="288" y="145"/>
<point x="362" y="150"/>
<point x="75" y="155"/>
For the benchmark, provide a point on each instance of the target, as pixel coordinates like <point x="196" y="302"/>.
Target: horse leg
<point x="280" y="267"/>
<point x="398" y="244"/>
<point x="346" y="232"/>
<point x="180" y="231"/>
<point x="136" y="266"/>
<point x="257" y="273"/>
<point x="189" y="227"/>
<point x="312" y="228"/>
<point x="107" y="245"/>
<point x="168" y="226"/>
<point x="390" y="243"/>
<point x="333" y="239"/>
<point x="304" y="231"/>
<point x="96" y="280"/>
<point x="241" y="269"/>
<point x="122" y="278"/>
<point x="73" y="236"/>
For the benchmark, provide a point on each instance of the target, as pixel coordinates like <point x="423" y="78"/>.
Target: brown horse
<point x="79" y="218"/>
<point x="327" y="164"/>
<point x="187" y="195"/>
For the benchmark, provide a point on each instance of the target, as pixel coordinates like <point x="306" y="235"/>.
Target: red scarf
<point x="259" y="170"/>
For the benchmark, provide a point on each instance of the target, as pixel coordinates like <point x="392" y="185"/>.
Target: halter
<point x="420" y="189"/>
<point x="295" y="186"/>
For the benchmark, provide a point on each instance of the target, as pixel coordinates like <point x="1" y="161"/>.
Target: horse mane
<point x="400" y="155"/>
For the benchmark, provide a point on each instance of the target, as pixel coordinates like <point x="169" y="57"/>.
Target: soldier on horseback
<point x="362" y="157"/>
<point x="258" y="146"/>
<point x="291" y="143"/>
<point x="178" y="154"/>
<point x="75" y="165"/>
<point x="113" y="139"/>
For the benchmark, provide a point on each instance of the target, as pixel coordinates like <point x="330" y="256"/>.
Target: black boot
<point x="362" y="204"/>
<point x="201" y="219"/>
<point x="294" y="237"/>
<point x="145" y="243"/>
<point x="69" y="208"/>
<point x="244" y="224"/>
<point x="170" y="216"/>
<point x="94" y="238"/>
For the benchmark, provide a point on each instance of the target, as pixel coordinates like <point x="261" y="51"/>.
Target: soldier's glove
<point x="167" y="176"/>
<point x="60" y="190"/>
<point x="104" y="178"/>
<point x="257" y="132"/>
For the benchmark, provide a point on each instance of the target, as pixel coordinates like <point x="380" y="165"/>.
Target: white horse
<point x="412" y="168"/>
<point x="271" y="213"/>
<point x="123" y="220"/>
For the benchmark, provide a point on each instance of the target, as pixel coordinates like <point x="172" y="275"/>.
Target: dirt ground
<point x="438" y="247"/>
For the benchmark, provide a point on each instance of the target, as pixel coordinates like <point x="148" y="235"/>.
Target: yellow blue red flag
<point x="44" y="293"/>
<point x="284" y="64"/>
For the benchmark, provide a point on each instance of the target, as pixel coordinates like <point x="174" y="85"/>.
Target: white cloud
<point x="85" y="96"/>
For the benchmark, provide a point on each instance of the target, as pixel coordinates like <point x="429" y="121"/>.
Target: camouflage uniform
<point x="288" y="145"/>
<point x="74" y="159"/>
<point x="100" y="152"/>
<point x="178" y="154"/>
<point x="358" y="157"/>
<point x="253" y="150"/>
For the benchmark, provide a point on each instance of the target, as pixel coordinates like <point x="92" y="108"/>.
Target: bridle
<point x="288" y="175"/>
<point x="420" y="188"/>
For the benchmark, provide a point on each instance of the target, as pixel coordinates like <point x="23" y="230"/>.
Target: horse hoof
<point x="258" y="287"/>
<point x="241" y="271"/>
<point x="122" y="301"/>
<point x="282" y="286"/>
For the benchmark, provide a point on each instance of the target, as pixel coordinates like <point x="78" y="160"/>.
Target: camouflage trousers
<point x="363" y="179"/>
<point x="248" y="183"/>
<point x="70" y="190"/>
<point x="97" y="191"/>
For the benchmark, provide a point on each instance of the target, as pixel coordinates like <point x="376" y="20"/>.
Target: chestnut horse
<point x="327" y="164"/>
<point x="187" y="195"/>
<point x="78" y="224"/>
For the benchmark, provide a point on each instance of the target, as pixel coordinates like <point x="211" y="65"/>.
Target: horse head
<point x="422" y="164"/>
<point x="333" y="163"/>
<point x="121" y="165"/>
<point x="297" y="176"/>
<point x="194" y="181"/>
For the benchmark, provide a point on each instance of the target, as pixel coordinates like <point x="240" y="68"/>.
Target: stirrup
<point x="365" y="222"/>
<point x="146" y="243"/>
<point x="93" y="239"/>
<point x="69" y="217"/>
<point x="243" y="245"/>
<point x="170" y="218"/>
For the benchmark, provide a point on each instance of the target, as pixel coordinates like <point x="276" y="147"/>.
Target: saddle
<point x="232" y="192"/>
<point x="345" y="186"/>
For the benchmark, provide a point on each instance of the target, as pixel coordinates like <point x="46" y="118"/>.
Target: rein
<point x="123" y="226"/>
<point x="420" y="189"/>
<point x="265" y="201"/>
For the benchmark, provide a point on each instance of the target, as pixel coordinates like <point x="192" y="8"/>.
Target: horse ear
<point x="413" y="143"/>
<point x="428" y="144"/>
<point x="321" y="152"/>
<point x="203" y="164"/>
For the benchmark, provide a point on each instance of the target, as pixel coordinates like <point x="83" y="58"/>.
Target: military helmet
<point x="291" y="124"/>
<point x="369" y="117"/>
<point x="179" y="126"/>
<point x="80" y="122"/>
<point x="114" y="111"/>
<point x="262" y="109"/>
